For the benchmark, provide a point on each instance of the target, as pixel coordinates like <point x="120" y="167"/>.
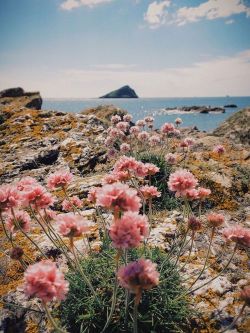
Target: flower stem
<point x="135" y="318"/>
<point x="52" y="320"/>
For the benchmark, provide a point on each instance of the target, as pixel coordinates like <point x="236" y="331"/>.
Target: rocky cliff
<point x="123" y="92"/>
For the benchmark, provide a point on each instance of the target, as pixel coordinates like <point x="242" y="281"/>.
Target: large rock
<point x="12" y="92"/>
<point x="17" y="97"/>
<point x="197" y="108"/>
<point x="123" y="92"/>
<point x="236" y="127"/>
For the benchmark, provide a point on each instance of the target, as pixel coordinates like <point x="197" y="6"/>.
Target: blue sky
<point x="162" y="48"/>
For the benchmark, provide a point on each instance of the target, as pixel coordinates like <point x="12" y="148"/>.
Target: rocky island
<point x="35" y="143"/>
<point x="198" y="109"/>
<point x="123" y="92"/>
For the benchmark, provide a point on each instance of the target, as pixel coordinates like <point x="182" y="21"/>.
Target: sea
<point x="141" y="107"/>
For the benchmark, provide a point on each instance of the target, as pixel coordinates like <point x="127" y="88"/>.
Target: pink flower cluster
<point x="72" y="225"/>
<point x="219" y="149"/>
<point x="9" y="197"/>
<point x="138" y="275"/>
<point x="37" y="197"/>
<point x="215" y="220"/>
<point x="129" y="231"/>
<point x="167" y="128"/>
<point x="118" y="197"/>
<point x="136" y="168"/>
<point x="171" y="158"/>
<point x="238" y="235"/>
<point x="149" y="192"/>
<point x="20" y="221"/>
<point x="68" y="205"/>
<point x="58" y="179"/>
<point x="45" y="281"/>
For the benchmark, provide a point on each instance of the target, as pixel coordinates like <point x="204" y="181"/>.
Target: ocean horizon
<point x="155" y="106"/>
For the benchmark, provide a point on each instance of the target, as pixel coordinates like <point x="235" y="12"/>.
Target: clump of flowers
<point x="9" y="197"/>
<point x="72" y="203"/>
<point x="149" y="192"/>
<point x="219" y="149"/>
<point x="182" y="181"/>
<point x="215" y="220"/>
<point x="72" y="225"/>
<point x="238" y="235"/>
<point x="59" y="179"/>
<point x="21" y="220"/>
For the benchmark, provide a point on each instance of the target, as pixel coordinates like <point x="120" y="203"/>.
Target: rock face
<point x="230" y="106"/>
<point x="199" y="109"/>
<point x="123" y="92"/>
<point x="236" y="127"/>
<point x="30" y="100"/>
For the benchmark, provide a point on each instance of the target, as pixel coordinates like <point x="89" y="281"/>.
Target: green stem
<point x="135" y="318"/>
<point x="190" y="251"/>
<point x="52" y="320"/>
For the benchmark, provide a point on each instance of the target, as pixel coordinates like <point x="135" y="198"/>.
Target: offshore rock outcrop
<point x="123" y="92"/>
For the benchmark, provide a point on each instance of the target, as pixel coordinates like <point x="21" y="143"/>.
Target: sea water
<point x="155" y="107"/>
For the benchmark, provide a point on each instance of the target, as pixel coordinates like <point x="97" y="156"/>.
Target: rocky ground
<point x="36" y="142"/>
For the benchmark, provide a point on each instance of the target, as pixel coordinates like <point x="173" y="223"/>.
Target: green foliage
<point x="167" y="200"/>
<point x="159" y="309"/>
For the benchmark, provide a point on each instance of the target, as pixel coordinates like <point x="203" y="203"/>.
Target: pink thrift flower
<point x="48" y="214"/>
<point x="149" y="192"/>
<point x="143" y="136"/>
<point x="167" y="128"/>
<point x="125" y="163"/>
<point x="68" y="205"/>
<point x="238" y="235"/>
<point x="154" y="140"/>
<point x="189" y="142"/>
<point x="178" y="121"/>
<point x="245" y="295"/>
<point x="180" y="181"/>
<point x="23" y="221"/>
<point x="129" y="231"/>
<point x="140" y="123"/>
<point x="60" y="178"/>
<point x="122" y="126"/>
<point x="151" y="169"/>
<point x="134" y="130"/>
<point x="176" y="133"/>
<point x="219" y="149"/>
<point x="93" y="194"/>
<point x="37" y="197"/>
<point x="203" y="193"/>
<point x="141" y="170"/>
<point x="109" y="179"/>
<point x="183" y="144"/>
<point x="215" y="220"/>
<point x="191" y="194"/>
<point x="115" y="119"/>
<point x="109" y="141"/>
<point x="171" y="158"/>
<point x="72" y="225"/>
<point x="26" y="182"/>
<point x="45" y="281"/>
<point x="194" y="224"/>
<point x="127" y="118"/>
<point x="148" y="120"/>
<point x="138" y="275"/>
<point x="116" y="133"/>
<point x="9" y="197"/>
<point x="118" y="197"/>
<point x="125" y="148"/>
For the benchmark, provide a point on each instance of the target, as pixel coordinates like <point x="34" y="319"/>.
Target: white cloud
<point x="71" y="4"/>
<point x="215" y="77"/>
<point x="157" y="13"/>
<point x="209" y="10"/>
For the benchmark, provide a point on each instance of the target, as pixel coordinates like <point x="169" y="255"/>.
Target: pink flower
<point x="72" y="225"/>
<point x="245" y="295"/>
<point x="148" y="120"/>
<point x="178" y="121"/>
<point x="125" y="148"/>
<point x="151" y="169"/>
<point x="116" y="133"/>
<point x="93" y="194"/>
<point x="49" y="215"/>
<point x="180" y="181"/>
<point x="154" y="140"/>
<point x="45" y="281"/>
<point x="134" y="130"/>
<point x="127" y="117"/>
<point x="68" y="205"/>
<point x="176" y="133"/>
<point x="141" y="170"/>
<point x="129" y="231"/>
<point x="16" y="253"/>
<point x="219" y="149"/>
<point x="9" y="197"/>
<point x="194" y="224"/>
<point x="60" y="178"/>
<point x="26" y="182"/>
<point x="203" y="193"/>
<point x="143" y="136"/>
<point x="109" y="141"/>
<point x="238" y="234"/>
<point x="125" y="163"/>
<point x="140" y="123"/>
<point x="115" y="119"/>
<point x="138" y="275"/>
<point x="183" y="144"/>
<point x="167" y="128"/>
<point x="189" y="142"/>
<point x="122" y="126"/>
<point x="23" y="221"/>
<point x="149" y="192"/>
<point x="171" y="158"/>
<point x="37" y="197"/>
<point x="118" y="197"/>
<point x="191" y="194"/>
<point x="215" y="220"/>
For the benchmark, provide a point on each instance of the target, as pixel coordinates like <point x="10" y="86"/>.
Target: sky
<point x="161" y="48"/>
